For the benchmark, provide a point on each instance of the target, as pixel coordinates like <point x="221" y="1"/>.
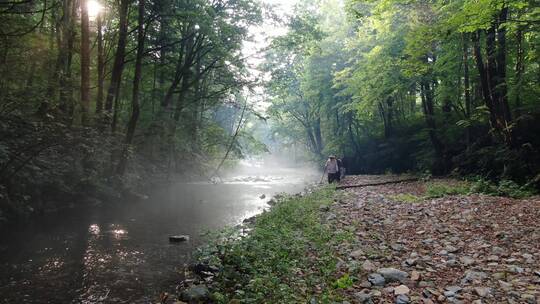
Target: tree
<point x="85" y="62"/>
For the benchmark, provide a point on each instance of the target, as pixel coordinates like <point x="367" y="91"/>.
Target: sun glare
<point x="94" y="8"/>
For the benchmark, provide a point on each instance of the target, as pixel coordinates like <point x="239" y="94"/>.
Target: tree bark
<point x="66" y="86"/>
<point x="519" y="69"/>
<point x="466" y="84"/>
<point x="85" y="62"/>
<point x="100" y="65"/>
<point x="427" y="97"/>
<point x="484" y="79"/>
<point x="118" y="65"/>
<point x="135" y="96"/>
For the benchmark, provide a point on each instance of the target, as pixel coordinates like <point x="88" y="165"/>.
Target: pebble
<point x="449" y="293"/>
<point x="368" y="266"/>
<point x="498" y="251"/>
<point x="467" y="260"/>
<point x="402" y="299"/>
<point x="505" y="285"/>
<point x="451" y="249"/>
<point x="365" y="284"/>
<point x="392" y="274"/>
<point x="401" y="290"/>
<point x="515" y="269"/>
<point x="363" y="297"/>
<point x="471" y="276"/>
<point x="196" y="294"/>
<point x="482" y="291"/>
<point x="376" y="279"/>
<point x="415" y="275"/>
<point x="322" y="208"/>
<point x="454" y="289"/>
<point x="356" y="253"/>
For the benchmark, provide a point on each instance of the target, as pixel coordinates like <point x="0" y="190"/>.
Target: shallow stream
<point x="121" y="253"/>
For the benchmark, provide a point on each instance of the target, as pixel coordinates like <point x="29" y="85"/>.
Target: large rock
<point x="402" y="299"/>
<point x="376" y="279"/>
<point x="363" y="297"/>
<point x="195" y="294"/>
<point x="392" y="274"/>
<point x="401" y="290"/>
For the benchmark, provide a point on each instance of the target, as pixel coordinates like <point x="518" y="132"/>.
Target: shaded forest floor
<point x="408" y="242"/>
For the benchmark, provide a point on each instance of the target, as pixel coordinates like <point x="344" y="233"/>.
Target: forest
<point x="171" y="151"/>
<point x="425" y="86"/>
<point x="96" y="95"/>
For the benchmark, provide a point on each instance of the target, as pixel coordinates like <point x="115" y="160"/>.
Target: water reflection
<point x="94" y="229"/>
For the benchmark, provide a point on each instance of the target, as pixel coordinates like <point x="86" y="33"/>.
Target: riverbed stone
<point x="482" y="291"/>
<point x="376" y="279"/>
<point x="467" y="260"/>
<point x="178" y="238"/>
<point x="195" y="294"/>
<point x="355" y="254"/>
<point x="472" y="276"/>
<point x="401" y="290"/>
<point x="363" y="297"/>
<point x="393" y="274"/>
<point x="368" y="266"/>
<point x="402" y="299"/>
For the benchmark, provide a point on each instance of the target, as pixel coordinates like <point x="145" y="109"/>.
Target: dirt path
<point x="454" y="249"/>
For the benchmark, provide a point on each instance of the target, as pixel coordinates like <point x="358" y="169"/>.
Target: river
<point x="120" y="253"/>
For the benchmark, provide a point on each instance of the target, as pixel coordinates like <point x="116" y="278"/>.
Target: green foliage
<point x="406" y="197"/>
<point x="344" y="282"/>
<point x="388" y="87"/>
<point x="507" y="188"/>
<point x="285" y="257"/>
<point x="503" y="188"/>
<point x="441" y="189"/>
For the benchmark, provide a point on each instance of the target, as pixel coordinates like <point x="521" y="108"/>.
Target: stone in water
<point x="178" y="238"/>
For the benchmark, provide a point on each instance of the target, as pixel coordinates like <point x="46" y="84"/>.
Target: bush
<point x="507" y="188"/>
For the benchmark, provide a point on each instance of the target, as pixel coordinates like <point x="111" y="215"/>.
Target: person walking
<point x="332" y="169"/>
<point x="341" y="166"/>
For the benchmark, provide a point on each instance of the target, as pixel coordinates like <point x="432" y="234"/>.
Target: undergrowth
<point x="437" y="189"/>
<point x="287" y="257"/>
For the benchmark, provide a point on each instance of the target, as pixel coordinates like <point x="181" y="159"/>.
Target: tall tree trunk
<point x="54" y="71"/>
<point x="493" y="76"/>
<point x="440" y="166"/>
<point x="466" y="84"/>
<point x="502" y="88"/>
<point x="383" y="117"/>
<point x="484" y="79"/>
<point x="66" y="104"/>
<point x="116" y="109"/>
<point x="519" y="70"/>
<point x="184" y="90"/>
<point x="135" y="96"/>
<point x="318" y="135"/>
<point x="85" y="62"/>
<point x="118" y="65"/>
<point x="100" y="65"/>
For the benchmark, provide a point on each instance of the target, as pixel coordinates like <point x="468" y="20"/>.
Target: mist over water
<point x="120" y="253"/>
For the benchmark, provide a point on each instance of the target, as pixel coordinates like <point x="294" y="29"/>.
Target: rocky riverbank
<point x="450" y="249"/>
<point x="406" y="242"/>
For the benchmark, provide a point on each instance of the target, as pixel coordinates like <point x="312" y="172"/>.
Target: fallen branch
<point x="378" y="183"/>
